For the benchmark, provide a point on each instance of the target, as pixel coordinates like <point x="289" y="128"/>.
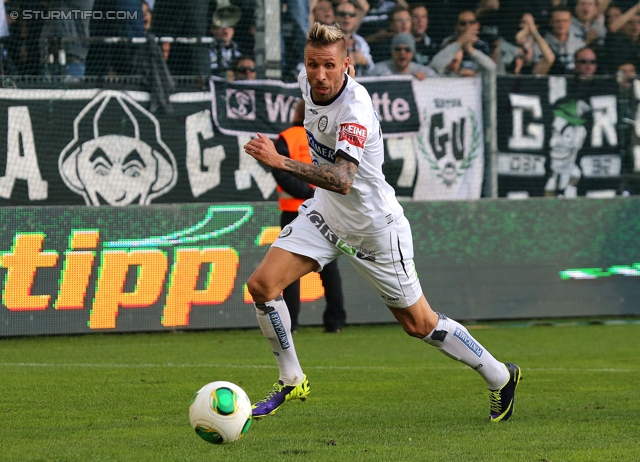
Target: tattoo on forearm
<point x="336" y="177"/>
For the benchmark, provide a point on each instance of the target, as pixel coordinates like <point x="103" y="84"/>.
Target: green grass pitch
<point x="376" y="395"/>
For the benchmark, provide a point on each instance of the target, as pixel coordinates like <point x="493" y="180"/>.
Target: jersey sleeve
<point x="354" y="125"/>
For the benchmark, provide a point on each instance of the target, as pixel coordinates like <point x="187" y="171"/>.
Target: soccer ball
<point x="220" y="412"/>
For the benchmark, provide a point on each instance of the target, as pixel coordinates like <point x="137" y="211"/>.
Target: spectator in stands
<point x="454" y="59"/>
<point x="464" y="44"/>
<point x="187" y="19"/>
<point x="426" y="48"/>
<point x="357" y="47"/>
<point x="245" y="69"/>
<point x="403" y="48"/>
<point x="588" y="23"/>
<point x="294" y="27"/>
<point x="69" y="55"/>
<point x="362" y="7"/>
<point x="617" y="21"/>
<point x="526" y="38"/>
<point x="323" y="12"/>
<point x="223" y="51"/>
<point x="623" y="41"/>
<point x="627" y="106"/>
<point x="586" y="63"/>
<point x="146" y="16"/>
<point x="377" y="17"/>
<point x="467" y="23"/>
<point x="12" y="33"/>
<point x="399" y="21"/>
<point x="561" y="41"/>
<point x="625" y="76"/>
<point x="612" y="13"/>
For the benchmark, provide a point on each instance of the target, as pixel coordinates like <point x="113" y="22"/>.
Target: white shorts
<point x="384" y="261"/>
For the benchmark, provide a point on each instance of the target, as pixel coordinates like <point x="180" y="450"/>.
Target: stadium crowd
<point x="385" y="37"/>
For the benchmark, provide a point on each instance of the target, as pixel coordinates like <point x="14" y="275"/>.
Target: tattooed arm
<point x="336" y="177"/>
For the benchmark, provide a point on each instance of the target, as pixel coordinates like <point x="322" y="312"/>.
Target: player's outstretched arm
<point x="336" y="177"/>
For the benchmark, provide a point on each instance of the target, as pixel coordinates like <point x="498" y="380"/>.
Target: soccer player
<point x="355" y="213"/>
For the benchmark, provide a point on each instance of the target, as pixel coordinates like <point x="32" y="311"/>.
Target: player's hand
<point x="351" y="71"/>
<point x="264" y="151"/>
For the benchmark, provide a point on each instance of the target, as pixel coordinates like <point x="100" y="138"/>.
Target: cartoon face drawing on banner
<point x="117" y="156"/>
<point x="567" y="137"/>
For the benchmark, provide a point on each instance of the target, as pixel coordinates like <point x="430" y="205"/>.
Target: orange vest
<point x="296" y="138"/>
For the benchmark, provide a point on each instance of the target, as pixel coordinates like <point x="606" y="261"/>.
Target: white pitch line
<point x="264" y="366"/>
<point x="170" y="365"/>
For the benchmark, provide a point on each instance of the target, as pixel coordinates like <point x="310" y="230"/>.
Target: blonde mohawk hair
<point x="321" y="35"/>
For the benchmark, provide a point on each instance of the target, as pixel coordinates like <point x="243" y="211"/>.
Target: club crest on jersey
<point x="354" y="134"/>
<point x="322" y="124"/>
<point x="285" y="232"/>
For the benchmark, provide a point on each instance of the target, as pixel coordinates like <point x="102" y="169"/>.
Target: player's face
<point x="325" y="70"/>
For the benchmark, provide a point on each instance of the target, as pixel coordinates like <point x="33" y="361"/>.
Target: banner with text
<point x="103" y="147"/>
<point x="558" y="137"/>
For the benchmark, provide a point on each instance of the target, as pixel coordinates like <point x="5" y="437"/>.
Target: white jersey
<point x="350" y="124"/>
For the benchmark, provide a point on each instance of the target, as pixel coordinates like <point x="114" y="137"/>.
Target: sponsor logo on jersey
<point x="322" y="124"/>
<point x="318" y="220"/>
<point x="354" y="134"/>
<point x="468" y="341"/>
<point x="320" y="149"/>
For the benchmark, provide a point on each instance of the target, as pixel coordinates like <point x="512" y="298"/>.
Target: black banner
<point x="558" y="137"/>
<point x="247" y="107"/>
<point x="95" y="147"/>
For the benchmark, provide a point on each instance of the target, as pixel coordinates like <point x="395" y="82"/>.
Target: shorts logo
<point x="322" y="124"/>
<point x="468" y="341"/>
<point x="354" y="134"/>
<point x="285" y="232"/>
<point x="318" y="222"/>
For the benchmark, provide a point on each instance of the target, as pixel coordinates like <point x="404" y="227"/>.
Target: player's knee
<point x="260" y="289"/>
<point x="415" y="331"/>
